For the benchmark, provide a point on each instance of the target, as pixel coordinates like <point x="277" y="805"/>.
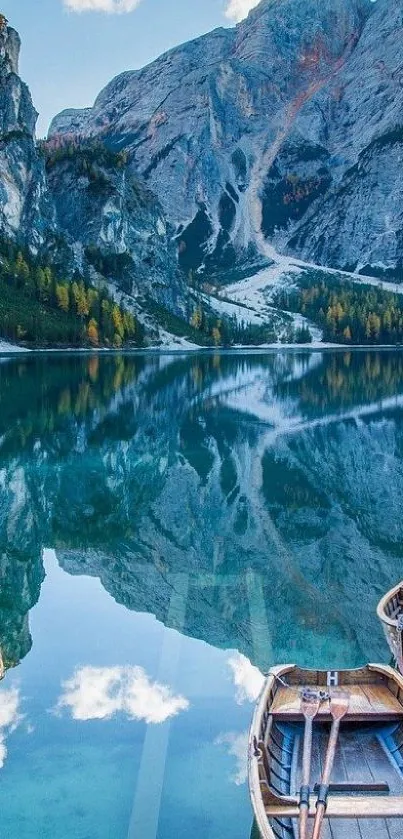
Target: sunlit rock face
<point x="285" y="129"/>
<point x="359" y="222"/>
<point x="25" y="209"/>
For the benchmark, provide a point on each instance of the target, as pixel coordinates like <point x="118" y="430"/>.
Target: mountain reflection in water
<point x="269" y="487"/>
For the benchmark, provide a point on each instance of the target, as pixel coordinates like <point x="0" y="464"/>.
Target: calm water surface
<point x="170" y="527"/>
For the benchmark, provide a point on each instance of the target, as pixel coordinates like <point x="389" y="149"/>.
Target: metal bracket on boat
<point x="323" y="795"/>
<point x="309" y="695"/>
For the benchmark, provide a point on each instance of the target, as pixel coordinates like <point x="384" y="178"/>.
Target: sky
<point x="72" y="48"/>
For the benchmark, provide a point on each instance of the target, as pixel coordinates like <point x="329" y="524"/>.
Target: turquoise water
<point x="169" y="528"/>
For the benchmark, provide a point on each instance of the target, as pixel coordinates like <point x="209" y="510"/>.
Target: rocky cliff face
<point x="285" y="130"/>
<point x="84" y="211"/>
<point x="357" y="118"/>
<point x="25" y="208"/>
<point x="114" y="224"/>
<point x="283" y="133"/>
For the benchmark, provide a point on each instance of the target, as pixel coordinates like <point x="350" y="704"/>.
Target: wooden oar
<point x="338" y="709"/>
<point x="310" y="705"/>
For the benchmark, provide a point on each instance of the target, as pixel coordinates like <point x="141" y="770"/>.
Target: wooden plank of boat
<point x="345" y="807"/>
<point x="371" y="736"/>
<point x="365" y="703"/>
<point x="390" y="613"/>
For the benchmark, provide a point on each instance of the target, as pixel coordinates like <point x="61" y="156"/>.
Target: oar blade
<point x="310" y="708"/>
<point x="339" y="705"/>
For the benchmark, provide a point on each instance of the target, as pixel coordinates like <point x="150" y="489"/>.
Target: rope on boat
<point x="282" y="681"/>
<point x="309" y="694"/>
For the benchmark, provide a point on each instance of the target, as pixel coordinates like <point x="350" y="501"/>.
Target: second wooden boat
<point x="365" y="797"/>
<point x="390" y="613"/>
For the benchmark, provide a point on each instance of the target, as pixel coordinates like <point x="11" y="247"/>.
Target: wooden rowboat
<point x="390" y="613"/>
<point x="366" y="790"/>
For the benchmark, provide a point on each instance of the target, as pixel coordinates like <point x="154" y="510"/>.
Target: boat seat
<point x="345" y="807"/>
<point x="367" y="702"/>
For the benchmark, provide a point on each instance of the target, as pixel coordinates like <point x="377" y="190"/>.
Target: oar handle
<point x="324" y="787"/>
<point x="331" y="751"/>
<point x="304" y="811"/>
<point x="306" y="771"/>
<point x="307" y="752"/>
<point x="320" y="815"/>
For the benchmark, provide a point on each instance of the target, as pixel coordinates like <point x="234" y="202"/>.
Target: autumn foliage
<point x="39" y="306"/>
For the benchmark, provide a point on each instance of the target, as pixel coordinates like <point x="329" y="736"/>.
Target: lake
<point x="170" y="527"/>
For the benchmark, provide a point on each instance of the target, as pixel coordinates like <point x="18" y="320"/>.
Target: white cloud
<point x="109" y="7"/>
<point x="237" y="747"/>
<point x="238" y="9"/>
<point x="149" y="701"/>
<point x="248" y="680"/>
<point x="10" y="718"/>
<point x="97" y="693"/>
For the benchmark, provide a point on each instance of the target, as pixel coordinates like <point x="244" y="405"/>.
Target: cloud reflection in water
<point x="98" y="693"/>
<point x="237" y="747"/>
<point x="248" y="679"/>
<point x="10" y="718"/>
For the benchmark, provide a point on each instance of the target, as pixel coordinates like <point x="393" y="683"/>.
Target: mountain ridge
<point x="248" y="147"/>
<point x="197" y="129"/>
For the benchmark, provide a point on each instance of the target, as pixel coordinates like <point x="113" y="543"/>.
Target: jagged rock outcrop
<point x="115" y="224"/>
<point x="286" y="130"/>
<point x="25" y="208"/>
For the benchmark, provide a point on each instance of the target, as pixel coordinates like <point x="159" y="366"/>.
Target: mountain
<point x="79" y="208"/>
<point x="276" y="140"/>
<point x="113" y="222"/>
<point x="283" y="131"/>
<point x="25" y="206"/>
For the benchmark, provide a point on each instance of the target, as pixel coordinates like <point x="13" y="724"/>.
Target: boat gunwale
<point x="383" y="617"/>
<point x="262" y="707"/>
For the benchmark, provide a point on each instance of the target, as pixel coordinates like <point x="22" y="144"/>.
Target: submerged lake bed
<point x="172" y="526"/>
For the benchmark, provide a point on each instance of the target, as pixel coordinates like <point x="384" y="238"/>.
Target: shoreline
<point x="17" y="352"/>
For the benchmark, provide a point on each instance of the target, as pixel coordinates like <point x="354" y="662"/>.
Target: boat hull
<point x="369" y="757"/>
<point x="390" y="613"/>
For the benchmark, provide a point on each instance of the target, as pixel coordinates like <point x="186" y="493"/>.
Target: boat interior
<point x="366" y="797"/>
<point x="368" y="757"/>
<point x="392" y="604"/>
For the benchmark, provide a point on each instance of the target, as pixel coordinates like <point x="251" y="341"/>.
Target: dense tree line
<point x="348" y="313"/>
<point x="38" y="306"/>
<point x="39" y="393"/>
<point x="228" y="331"/>
<point x="346" y="379"/>
<point x="84" y="151"/>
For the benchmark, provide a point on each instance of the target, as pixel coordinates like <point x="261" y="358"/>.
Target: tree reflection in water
<point x="273" y="482"/>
